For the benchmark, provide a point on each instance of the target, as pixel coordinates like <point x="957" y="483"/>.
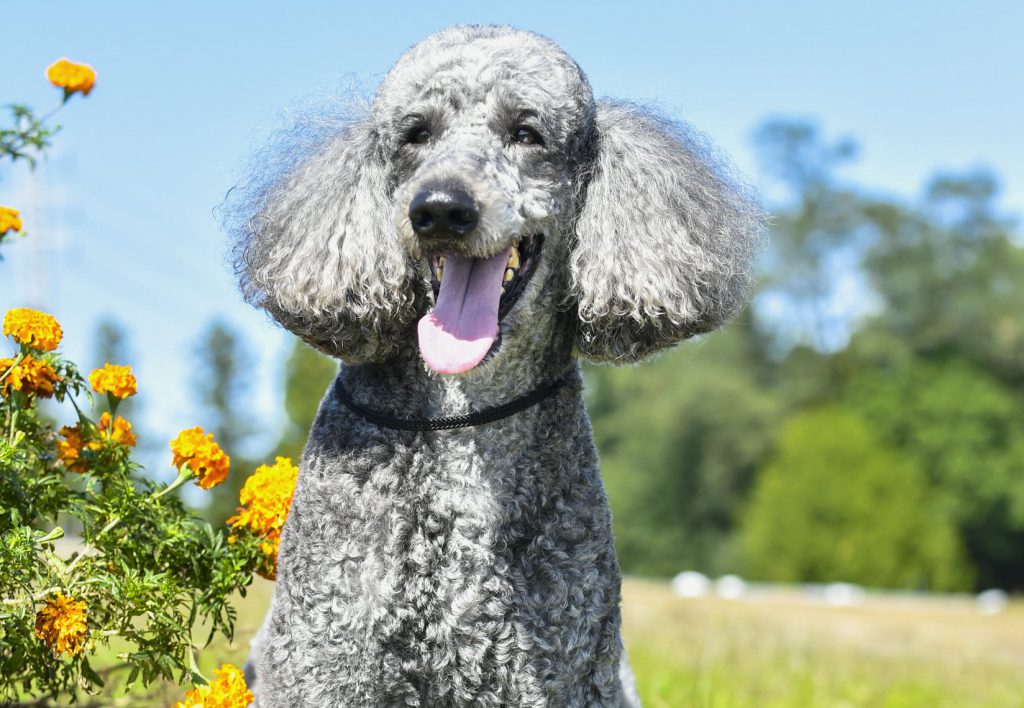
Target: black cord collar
<point x="488" y="415"/>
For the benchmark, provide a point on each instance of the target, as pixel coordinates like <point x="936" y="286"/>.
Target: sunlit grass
<point x="778" y="653"/>
<point x="786" y="653"/>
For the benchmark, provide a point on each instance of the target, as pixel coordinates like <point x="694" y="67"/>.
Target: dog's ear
<point x="314" y="241"/>
<point x="663" y="241"/>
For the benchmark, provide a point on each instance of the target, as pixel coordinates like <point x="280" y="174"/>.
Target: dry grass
<point x="785" y="652"/>
<point x="781" y="652"/>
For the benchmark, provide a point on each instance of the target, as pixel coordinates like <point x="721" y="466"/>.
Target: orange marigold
<point x="117" y="430"/>
<point x="118" y="381"/>
<point x="266" y="498"/>
<point x="31" y="376"/>
<point x="227" y="690"/>
<point x="33" y="328"/>
<point x="71" y="76"/>
<point x="197" y="449"/>
<point x="61" y="624"/>
<point x="10" y="219"/>
<point x="270" y="545"/>
<point x="69" y="450"/>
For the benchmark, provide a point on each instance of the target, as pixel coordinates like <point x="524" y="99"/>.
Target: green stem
<point x="110" y="524"/>
<point x="52" y="535"/>
<point x="184" y="475"/>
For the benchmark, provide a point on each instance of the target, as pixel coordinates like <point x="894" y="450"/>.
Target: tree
<point x="221" y="388"/>
<point x="835" y="504"/>
<point x="816" y="236"/>
<point x="307" y="374"/>
<point x="961" y="426"/>
<point x="951" y="276"/>
<point x="680" y="439"/>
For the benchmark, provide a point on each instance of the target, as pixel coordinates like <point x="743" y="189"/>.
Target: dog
<point x="459" y="246"/>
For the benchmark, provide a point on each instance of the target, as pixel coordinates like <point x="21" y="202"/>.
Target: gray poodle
<point x="458" y="247"/>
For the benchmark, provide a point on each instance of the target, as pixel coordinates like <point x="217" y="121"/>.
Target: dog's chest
<point x="451" y="565"/>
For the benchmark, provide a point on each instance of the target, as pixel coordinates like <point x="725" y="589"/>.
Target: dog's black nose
<point x="443" y="212"/>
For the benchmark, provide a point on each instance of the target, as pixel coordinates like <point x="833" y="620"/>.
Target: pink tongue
<point x="461" y="328"/>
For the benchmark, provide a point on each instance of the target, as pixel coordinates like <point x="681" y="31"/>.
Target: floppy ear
<point x="314" y="242"/>
<point x="663" y="241"/>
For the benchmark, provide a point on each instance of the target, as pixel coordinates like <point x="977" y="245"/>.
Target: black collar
<point x="488" y="415"/>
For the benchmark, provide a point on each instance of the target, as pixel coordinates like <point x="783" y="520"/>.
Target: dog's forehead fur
<point x="462" y="66"/>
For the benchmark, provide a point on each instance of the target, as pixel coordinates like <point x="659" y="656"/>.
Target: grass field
<point x="783" y="652"/>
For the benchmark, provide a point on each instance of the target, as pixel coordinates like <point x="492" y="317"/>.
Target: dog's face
<point x="484" y="140"/>
<point x="485" y="190"/>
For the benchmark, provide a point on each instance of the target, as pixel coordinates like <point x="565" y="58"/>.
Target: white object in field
<point x="690" y="583"/>
<point x="844" y="594"/>
<point x="730" y="587"/>
<point x="992" y="602"/>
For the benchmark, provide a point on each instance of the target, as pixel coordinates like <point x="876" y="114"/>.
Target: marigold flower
<point x="69" y="450"/>
<point x="31" y="376"/>
<point x="227" y="690"/>
<point x="33" y="328"/>
<point x="266" y="498"/>
<point x="270" y="546"/>
<point x="119" y="430"/>
<point x="118" y="381"/>
<point x="71" y="77"/>
<point x="10" y="219"/>
<point x="197" y="449"/>
<point x="61" y="624"/>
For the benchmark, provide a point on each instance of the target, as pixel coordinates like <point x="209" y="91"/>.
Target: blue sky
<point x="121" y="217"/>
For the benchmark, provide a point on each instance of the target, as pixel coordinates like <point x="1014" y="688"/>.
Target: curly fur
<point x="472" y="567"/>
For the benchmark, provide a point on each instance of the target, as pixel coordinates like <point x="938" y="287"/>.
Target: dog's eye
<point x="525" y="135"/>
<point x="418" y="136"/>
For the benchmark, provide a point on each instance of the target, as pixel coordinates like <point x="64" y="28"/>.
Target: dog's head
<point x="483" y="191"/>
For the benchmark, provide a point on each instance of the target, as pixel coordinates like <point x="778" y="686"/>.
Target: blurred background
<point x="860" y="423"/>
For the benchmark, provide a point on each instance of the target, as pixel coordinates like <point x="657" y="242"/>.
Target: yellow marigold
<point x="71" y="76"/>
<point x="270" y="546"/>
<point x="119" y="430"/>
<point x="69" y="450"/>
<point x="60" y="624"/>
<point x="197" y="449"/>
<point x="10" y="219"/>
<point x="116" y="380"/>
<point x="33" y="328"/>
<point x="266" y="498"/>
<point x="227" y="690"/>
<point x="30" y="376"/>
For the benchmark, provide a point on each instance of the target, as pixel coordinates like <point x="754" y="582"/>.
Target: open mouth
<point x="472" y="296"/>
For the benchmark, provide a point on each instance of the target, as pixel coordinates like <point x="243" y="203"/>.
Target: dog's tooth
<point x="440" y="272"/>
<point x="509" y="274"/>
<point x="513" y="258"/>
<point x="440" y="262"/>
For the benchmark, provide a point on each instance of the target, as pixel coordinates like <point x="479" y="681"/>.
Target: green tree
<point x="680" y="439"/>
<point x="835" y="503"/>
<point x="961" y="425"/>
<point x="222" y="390"/>
<point x="816" y="229"/>
<point x="307" y="374"/>
<point x="951" y="275"/>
